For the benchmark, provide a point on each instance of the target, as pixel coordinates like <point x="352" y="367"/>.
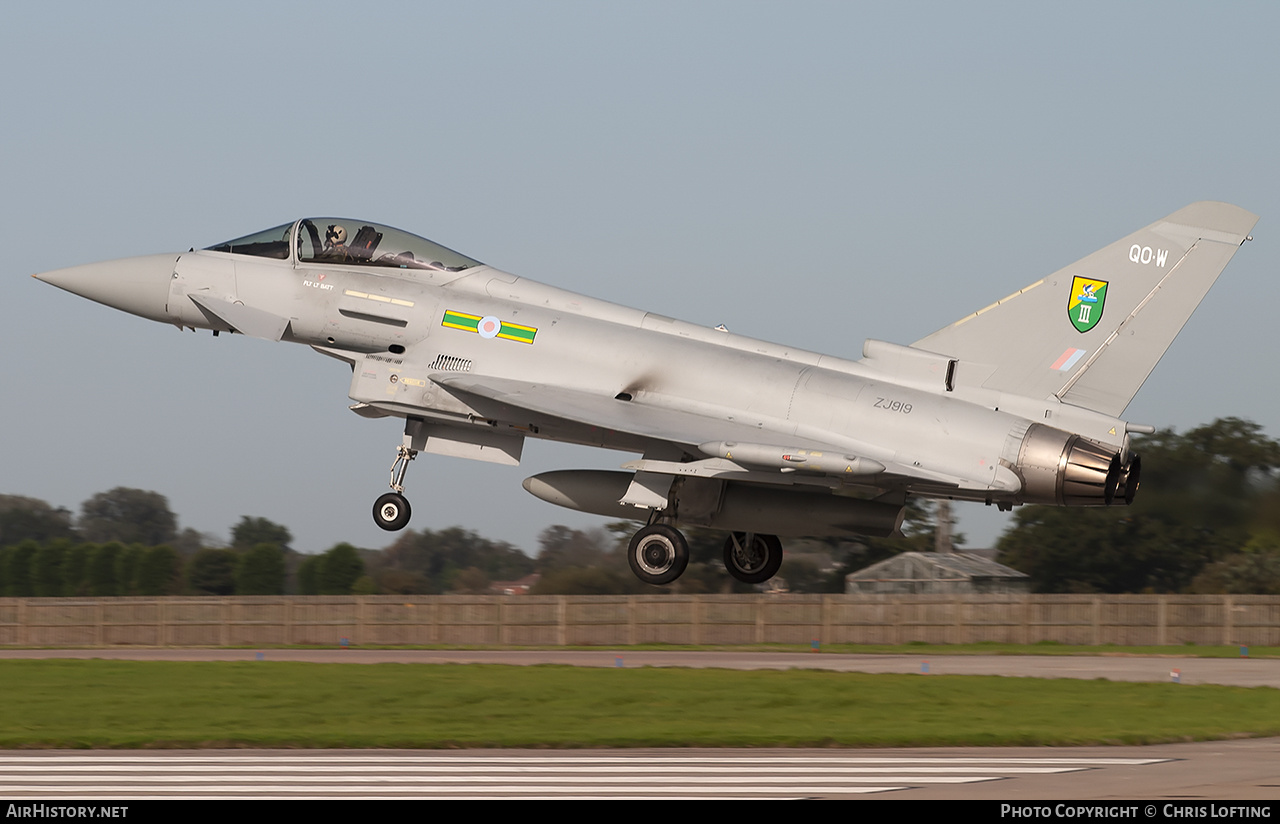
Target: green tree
<point x="18" y="581"/>
<point x="309" y="575"/>
<point x="364" y="585"/>
<point x="338" y="570"/>
<point x="189" y="541"/>
<point x="471" y="581"/>
<point x="1236" y="442"/>
<point x="253" y="531"/>
<point x="159" y="571"/>
<point x="23" y="518"/>
<point x="1241" y="573"/>
<point x="212" y="572"/>
<point x="399" y="582"/>
<point x="583" y="581"/>
<point x="1102" y="550"/>
<point x="133" y="516"/>
<point x="48" y="577"/>
<point x="261" y="571"/>
<point x="102" y="569"/>
<point x="803" y="575"/>
<point x="1201" y="492"/>
<point x="75" y="570"/>
<point x="428" y="562"/>
<point x="560" y="547"/>
<point x="127" y="568"/>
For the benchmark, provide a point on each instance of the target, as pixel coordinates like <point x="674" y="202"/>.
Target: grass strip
<point x="133" y="704"/>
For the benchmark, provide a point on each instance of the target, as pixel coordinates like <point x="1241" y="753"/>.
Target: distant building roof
<point x="520" y="587"/>
<point x="937" y="573"/>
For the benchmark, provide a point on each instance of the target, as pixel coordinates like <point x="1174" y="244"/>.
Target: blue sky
<point x="808" y="173"/>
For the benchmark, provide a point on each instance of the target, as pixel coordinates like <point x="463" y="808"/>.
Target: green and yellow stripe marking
<point x="516" y="332"/>
<point x="459" y="320"/>
<point x="471" y="323"/>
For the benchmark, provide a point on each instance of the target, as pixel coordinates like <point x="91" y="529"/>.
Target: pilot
<point x="335" y="242"/>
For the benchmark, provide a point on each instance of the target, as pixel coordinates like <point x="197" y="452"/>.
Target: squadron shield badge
<point x="1084" y="307"/>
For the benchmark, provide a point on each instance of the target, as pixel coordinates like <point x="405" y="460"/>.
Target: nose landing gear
<point x="392" y="511"/>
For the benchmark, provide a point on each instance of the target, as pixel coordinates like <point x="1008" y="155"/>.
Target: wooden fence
<point x="557" y="620"/>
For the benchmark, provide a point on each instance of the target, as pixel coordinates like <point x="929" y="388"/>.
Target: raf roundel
<point x="489" y="327"/>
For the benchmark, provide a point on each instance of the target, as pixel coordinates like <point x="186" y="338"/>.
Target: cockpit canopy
<point x="346" y="242"/>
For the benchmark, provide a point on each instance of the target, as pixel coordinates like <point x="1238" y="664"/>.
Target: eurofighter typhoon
<point x="1016" y="403"/>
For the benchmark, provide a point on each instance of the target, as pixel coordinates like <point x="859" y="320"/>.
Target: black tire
<point x="752" y="558"/>
<point x="391" y="512"/>
<point x="658" y="554"/>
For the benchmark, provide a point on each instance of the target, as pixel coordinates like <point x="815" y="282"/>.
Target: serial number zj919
<point x="893" y="406"/>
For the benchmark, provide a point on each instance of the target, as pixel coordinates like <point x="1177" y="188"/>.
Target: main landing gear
<point x="658" y="554"/>
<point x="752" y="558"/>
<point x="392" y="511"/>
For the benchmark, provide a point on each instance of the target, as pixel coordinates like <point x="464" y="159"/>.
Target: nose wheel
<point x="392" y="511"/>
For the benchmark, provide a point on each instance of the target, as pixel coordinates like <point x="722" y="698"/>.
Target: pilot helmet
<point x="336" y="235"/>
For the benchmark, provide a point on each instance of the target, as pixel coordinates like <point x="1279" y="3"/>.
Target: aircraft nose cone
<point x="138" y="285"/>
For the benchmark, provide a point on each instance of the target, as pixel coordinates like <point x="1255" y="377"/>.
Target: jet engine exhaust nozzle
<point x="1063" y="469"/>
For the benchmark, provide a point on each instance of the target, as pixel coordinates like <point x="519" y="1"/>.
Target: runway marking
<point x="425" y="781"/>
<point x="300" y="775"/>
<point x="231" y="792"/>
<point x="498" y="759"/>
<point x="78" y="771"/>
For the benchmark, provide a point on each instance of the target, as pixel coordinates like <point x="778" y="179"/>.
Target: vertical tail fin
<point x="1091" y="333"/>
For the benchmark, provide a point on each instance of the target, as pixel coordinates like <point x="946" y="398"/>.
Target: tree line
<point x="127" y="542"/>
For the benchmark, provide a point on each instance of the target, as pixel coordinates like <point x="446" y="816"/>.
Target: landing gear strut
<point x="752" y="558"/>
<point x="391" y="511"/>
<point x="658" y="554"/>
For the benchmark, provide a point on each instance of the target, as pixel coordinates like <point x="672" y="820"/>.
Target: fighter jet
<point x="1016" y="403"/>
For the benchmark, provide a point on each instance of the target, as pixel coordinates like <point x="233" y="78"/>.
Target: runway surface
<point x="1189" y="772"/>
<point x="1241" y="672"/>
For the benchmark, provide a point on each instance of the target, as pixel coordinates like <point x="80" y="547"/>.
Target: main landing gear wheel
<point x="658" y="554"/>
<point x="391" y="511"/>
<point x="752" y="558"/>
